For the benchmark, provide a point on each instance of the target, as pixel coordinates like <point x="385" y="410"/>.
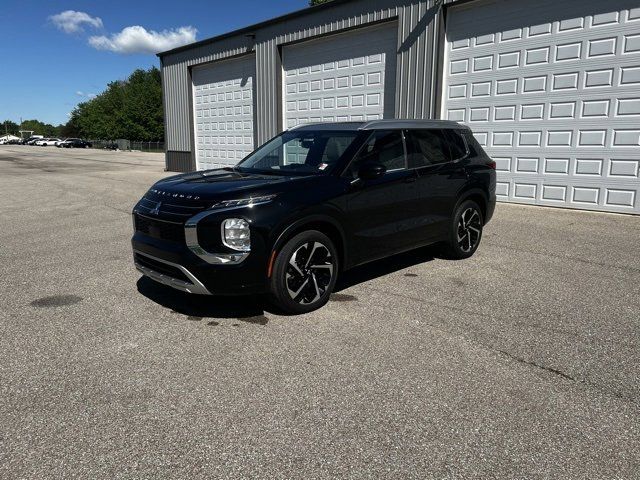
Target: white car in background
<point x="46" y="142"/>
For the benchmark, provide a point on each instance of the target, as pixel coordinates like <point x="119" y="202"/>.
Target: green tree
<point x="130" y="109"/>
<point x="9" y="127"/>
<point x="70" y="129"/>
<point x="40" y="128"/>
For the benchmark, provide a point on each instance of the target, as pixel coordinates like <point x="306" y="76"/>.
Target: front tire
<point x="304" y="273"/>
<point x="465" y="231"/>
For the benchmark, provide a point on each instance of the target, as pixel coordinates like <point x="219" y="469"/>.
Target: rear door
<point x="382" y="212"/>
<point x="438" y="159"/>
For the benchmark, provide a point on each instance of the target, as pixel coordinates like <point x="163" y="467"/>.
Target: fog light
<point x="236" y="234"/>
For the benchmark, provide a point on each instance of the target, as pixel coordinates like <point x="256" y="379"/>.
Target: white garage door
<point x="552" y="90"/>
<point x="345" y="77"/>
<point x="223" y="102"/>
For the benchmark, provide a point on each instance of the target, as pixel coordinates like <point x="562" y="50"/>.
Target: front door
<point x="382" y="212"/>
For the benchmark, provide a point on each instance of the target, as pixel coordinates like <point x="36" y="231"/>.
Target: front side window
<point x="426" y="147"/>
<point x="302" y="152"/>
<point x="383" y="147"/>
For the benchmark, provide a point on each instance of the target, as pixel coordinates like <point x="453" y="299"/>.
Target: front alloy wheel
<point x="304" y="273"/>
<point x="309" y="273"/>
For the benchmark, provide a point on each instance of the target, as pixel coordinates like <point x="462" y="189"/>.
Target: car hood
<point x="221" y="184"/>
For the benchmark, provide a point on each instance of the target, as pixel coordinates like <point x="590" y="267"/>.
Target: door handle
<point x="409" y="180"/>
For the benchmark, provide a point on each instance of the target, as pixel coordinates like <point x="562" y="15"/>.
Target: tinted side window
<point x="385" y="147"/>
<point x="426" y="147"/>
<point x="475" y="150"/>
<point x="456" y="144"/>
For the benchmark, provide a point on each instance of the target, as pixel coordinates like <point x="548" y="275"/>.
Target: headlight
<point x="236" y="234"/>
<point x="244" y="202"/>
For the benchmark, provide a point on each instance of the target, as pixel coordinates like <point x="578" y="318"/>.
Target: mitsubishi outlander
<point x="313" y="202"/>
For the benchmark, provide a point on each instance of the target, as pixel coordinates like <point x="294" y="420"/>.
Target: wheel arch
<point x="478" y="196"/>
<point x="322" y="223"/>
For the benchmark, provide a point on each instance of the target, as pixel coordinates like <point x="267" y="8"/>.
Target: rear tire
<point x="465" y="231"/>
<point x="304" y="273"/>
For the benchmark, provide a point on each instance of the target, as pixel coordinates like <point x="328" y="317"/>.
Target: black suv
<point x="312" y="202"/>
<point x="74" y="143"/>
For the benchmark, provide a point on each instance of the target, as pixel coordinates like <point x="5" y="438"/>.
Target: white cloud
<point x="80" y="93"/>
<point x="71" y="21"/>
<point x="137" y="39"/>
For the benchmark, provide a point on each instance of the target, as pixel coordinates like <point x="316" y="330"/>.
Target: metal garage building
<point x="551" y="89"/>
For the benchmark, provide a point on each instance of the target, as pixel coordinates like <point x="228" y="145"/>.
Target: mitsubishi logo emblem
<point x="156" y="209"/>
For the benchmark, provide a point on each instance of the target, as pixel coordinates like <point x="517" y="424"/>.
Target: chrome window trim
<point x="196" y="287"/>
<point x="191" y="237"/>
<point x="406" y="152"/>
<point x="449" y="162"/>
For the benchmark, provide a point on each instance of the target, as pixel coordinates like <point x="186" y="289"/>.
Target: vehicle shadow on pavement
<point x="250" y="309"/>
<point x="387" y="266"/>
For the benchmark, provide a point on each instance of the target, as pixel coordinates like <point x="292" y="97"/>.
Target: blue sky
<point x="49" y="63"/>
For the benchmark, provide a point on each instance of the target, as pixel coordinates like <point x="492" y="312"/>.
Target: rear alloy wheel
<point x="469" y="230"/>
<point x="304" y="273"/>
<point x="466" y="231"/>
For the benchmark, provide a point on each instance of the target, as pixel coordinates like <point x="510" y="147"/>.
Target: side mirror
<point x="371" y="171"/>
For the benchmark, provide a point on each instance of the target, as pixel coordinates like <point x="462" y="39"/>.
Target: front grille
<point x="159" y="229"/>
<point x="161" y="267"/>
<point x="173" y="212"/>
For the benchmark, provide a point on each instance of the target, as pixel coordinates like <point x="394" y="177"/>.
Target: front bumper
<point x="170" y="274"/>
<point x="195" y="275"/>
<point x="181" y="254"/>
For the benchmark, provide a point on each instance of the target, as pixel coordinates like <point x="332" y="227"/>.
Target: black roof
<point x="381" y="124"/>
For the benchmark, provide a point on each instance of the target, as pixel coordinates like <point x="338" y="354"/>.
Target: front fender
<point x="330" y="218"/>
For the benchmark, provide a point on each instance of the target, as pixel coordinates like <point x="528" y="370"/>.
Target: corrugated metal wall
<point x="416" y="76"/>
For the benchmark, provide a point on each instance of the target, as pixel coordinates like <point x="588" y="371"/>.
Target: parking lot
<point x="521" y="362"/>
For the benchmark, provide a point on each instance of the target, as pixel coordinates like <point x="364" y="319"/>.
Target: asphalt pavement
<point x="522" y="362"/>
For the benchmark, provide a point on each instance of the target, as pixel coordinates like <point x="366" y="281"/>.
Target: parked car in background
<point x="74" y="143"/>
<point x="33" y="139"/>
<point x="46" y="142"/>
<point x="313" y="202"/>
<point x="9" y="139"/>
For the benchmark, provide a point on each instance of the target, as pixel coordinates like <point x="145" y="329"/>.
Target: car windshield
<point x="300" y="152"/>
